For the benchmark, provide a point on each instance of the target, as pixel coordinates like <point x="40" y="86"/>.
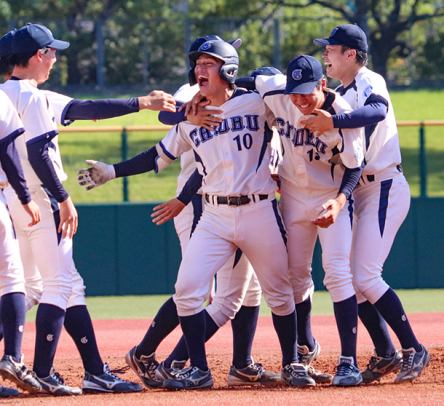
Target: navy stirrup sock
<point x="244" y="327"/>
<point x="13" y="315"/>
<point x="286" y="330"/>
<point x="305" y="336"/>
<point x="180" y="352"/>
<point x="346" y="314"/>
<point x="79" y="326"/>
<point x="391" y="309"/>
<point x="377" y="328"/>
<point x="49" y="322"/>
<point x="193" y="328"/>
<point x="164" y="323"/>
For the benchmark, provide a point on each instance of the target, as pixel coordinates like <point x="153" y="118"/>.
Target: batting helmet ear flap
<point x="228" y="72"/>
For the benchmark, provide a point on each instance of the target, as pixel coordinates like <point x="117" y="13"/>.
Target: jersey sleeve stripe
<point x="168" y="154"/>
<point x="273" y="93"/>
<point x="49" y="135"/>
<point x="11" y="137"/>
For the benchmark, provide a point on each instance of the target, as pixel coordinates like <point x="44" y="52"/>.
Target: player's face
<point x="48" y="56"/>
<point x="335" y="61"/>
<point x="207" y="75"/>
<point x="306" y="103"/>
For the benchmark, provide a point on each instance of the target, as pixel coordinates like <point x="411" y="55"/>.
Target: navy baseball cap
<point x="303" y="74"/>
<point x="348" y="34"/>
<point x="33" y="37"/>
<point x="266" y="71"/>
<point x="6" y="44"/>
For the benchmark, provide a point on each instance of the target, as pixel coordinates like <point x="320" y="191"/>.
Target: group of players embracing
<point x="336" y="162"/>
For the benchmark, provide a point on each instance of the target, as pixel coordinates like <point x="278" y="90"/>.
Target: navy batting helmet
<point x="221" y="50"/>
<point x="196" y="45"/>
<point x="266" y="71"/>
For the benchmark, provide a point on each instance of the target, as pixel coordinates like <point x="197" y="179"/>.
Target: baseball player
<point x="12" y="283"/>
<point x="315" y="200"/>
<point x="98" y="378"/>
<point x="382" y="200"/>
<point x="238" y="189"/>
<point x="238" y="296"/>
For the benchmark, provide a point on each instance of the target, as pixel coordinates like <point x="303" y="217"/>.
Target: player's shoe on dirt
<point x="413" y="363"/>
<point x="163" y="373"/>
<point x="378" y="367"/>
<point x="8" y="392"/>
<point x="253" y="374"/>
<point x="18" y="373"/>
<point x="55" y="385"/>
<point x="306" y="357"/>
<point x="190" y="378"/>
<point x="296" y="375"/>
<point x="347" y="373"/>
<point x="108" y="382"/>
<point x="145" y="367"/>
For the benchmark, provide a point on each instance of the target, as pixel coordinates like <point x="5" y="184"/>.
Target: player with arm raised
<point x="382" y="200"/>
<point x="238" y="189"/>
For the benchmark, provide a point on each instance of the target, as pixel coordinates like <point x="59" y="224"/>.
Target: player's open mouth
<point x="202" y="81"/>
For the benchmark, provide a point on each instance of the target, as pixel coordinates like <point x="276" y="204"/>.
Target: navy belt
<point x="371" y="178"/>
<point x="232" y="200"/>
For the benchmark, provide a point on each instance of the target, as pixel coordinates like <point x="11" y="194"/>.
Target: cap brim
<point x="322" y="42"/>
<point x="303" y="88"/>
<point x="236" y="43"/>
<point x="57" y="44"/>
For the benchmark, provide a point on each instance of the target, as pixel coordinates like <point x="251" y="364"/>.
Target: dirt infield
<point x="116" y="337"/>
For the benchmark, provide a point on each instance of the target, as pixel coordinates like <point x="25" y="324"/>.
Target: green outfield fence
<point x="119" y="251"/>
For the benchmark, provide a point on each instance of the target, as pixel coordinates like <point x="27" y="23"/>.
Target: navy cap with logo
<point x="348" y="34"/>
<point x="6" y="44"/>
<point x="303" y="74"/>
<point x="33" y="37"/>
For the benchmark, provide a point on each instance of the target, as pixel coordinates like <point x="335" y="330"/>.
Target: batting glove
<point x="98" y="175"/>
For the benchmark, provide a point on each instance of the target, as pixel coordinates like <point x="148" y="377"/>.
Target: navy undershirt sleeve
<point x="350" y="180"/>
<point x="43" y="166"/>
<point x="190" y="188"/>
<point x="100" y="109"/>
<point x="374" y="111"/>
<point x="247" y="82"/>
<point x="144" y="162"/>
<point x="13" y="168"/>
<point x="168" y="118"/>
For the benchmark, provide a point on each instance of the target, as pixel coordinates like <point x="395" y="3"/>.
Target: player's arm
<point x="39" y="135"/>
<point x="332" y="207"/>
<point x="373" y="111"/>
<point x="109" y="108"/>
<point x="154" y="159"/>
<point x="173" y="207"/>
<point x="14" y="172"/>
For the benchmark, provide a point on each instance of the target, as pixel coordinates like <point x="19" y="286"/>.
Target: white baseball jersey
<point x="59" y="104"/>
<point x="231" y="166"/>
<point x="10" y="126"/>
<point x="311" y="153"/>
<point x="38" y="118"/>
<point x="383" y="150"/>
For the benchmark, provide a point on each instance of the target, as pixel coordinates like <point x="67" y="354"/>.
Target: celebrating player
<point x="382" y="200"/>
<point x="238" y="190"/>
<point x="77" y="321"/>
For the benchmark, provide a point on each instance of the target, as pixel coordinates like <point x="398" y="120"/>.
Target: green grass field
<point x="142" y="307"/>
<point x="75" y="148"/>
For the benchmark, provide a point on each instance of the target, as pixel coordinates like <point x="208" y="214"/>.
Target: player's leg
<point x="381" y="209"/>
<point x="208" y="250"/>
<point x="336" y="243"/>
<point x="43" y="241"/>
<point x="264" y="244"/>
<point x="302" y="237"/>
<point x="13" y="308"/>
<point x="142" y="357"/>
